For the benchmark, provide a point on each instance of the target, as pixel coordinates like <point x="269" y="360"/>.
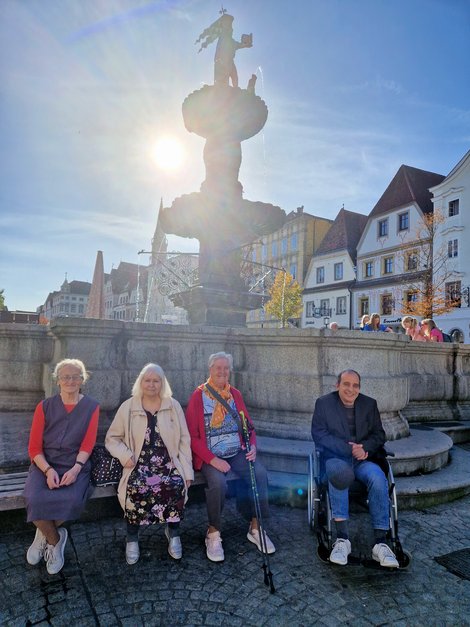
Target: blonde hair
<point x="165" y="392"/>
<point x="413" y="322"/>
<point x="364" y="320"/>
<point x="75" y="363"/>
<point x="430" y="322"/>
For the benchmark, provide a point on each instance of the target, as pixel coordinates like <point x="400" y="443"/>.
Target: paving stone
<point x="158" y="591"/>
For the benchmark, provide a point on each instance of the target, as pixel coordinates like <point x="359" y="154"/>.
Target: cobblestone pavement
<point x="96" y="587"/>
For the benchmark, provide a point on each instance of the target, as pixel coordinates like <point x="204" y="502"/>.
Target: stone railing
<point x="280" y="372"/>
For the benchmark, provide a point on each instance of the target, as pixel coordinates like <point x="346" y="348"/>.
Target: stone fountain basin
<point x="222" y="110"/>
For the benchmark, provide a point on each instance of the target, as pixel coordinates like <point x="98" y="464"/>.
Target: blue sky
<point x="354" y="89"/>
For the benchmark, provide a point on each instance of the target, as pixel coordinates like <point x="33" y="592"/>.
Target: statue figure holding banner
<point x="224" y="64"/>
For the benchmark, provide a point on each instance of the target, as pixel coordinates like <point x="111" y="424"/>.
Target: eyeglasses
<point x="71" y="377"/>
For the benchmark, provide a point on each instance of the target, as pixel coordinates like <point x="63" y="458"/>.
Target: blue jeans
<point x="373" y="477"/>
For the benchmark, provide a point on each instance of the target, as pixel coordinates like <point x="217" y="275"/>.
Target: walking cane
<point x="241" y="420"/>
<point x="268" y="576"/>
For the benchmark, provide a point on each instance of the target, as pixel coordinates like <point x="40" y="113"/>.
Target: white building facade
<point x="452" y="199"/>
<point x="327" y="295"/>
<point x="390" y="254"/>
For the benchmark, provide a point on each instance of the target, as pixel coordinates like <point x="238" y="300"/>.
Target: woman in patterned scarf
<point x="217" y="446"/>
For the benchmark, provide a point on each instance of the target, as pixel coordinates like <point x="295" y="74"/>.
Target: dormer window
<point x="403" y="221"/>
<point x="383" y="228"/>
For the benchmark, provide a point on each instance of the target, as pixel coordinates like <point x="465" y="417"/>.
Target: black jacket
<point x="330" y="430"/>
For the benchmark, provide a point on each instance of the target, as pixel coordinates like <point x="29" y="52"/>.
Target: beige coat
<point x="126" y="435"/>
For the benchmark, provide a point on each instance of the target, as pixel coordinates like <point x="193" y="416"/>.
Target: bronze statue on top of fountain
<point x="218" y="215"/>
<point x="227" y="46"/>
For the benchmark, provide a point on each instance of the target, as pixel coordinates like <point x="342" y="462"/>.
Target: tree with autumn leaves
<point x="286" y="298"/>
<point x="434" y="268"/>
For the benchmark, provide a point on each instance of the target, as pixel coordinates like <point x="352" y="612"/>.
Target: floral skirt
<point x="155" y="491"/>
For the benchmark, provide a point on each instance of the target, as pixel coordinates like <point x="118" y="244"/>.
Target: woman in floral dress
<point x="150" y="438"/>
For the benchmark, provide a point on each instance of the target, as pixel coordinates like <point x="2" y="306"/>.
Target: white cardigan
<point x="126" y="435"/>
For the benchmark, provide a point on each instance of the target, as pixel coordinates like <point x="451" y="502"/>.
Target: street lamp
<point x="326" y="321"/>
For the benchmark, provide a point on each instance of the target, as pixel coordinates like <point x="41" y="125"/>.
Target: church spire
<point x="159" y="241"/>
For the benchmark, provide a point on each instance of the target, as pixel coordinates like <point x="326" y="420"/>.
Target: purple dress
<point x="63" y="435"/>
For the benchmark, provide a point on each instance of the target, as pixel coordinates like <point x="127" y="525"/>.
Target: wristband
<point x="79" y="463"/>
<point x="47" y="470"/>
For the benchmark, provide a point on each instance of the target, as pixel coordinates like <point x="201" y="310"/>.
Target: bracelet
<point x="79" y="463"/>
<point x="47" y="470"/>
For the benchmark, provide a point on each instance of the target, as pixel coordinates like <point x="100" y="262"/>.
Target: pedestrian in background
<point x="431" y="332"/>
<point x="413" y="329"/>
<point x="375" y="325"/>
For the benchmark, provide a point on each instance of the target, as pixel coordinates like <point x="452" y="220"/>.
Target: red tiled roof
<point x="407" y="186"/>
<point x="344" y="233"/>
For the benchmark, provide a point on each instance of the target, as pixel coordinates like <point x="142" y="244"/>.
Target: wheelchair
<point x="320" y="518"/>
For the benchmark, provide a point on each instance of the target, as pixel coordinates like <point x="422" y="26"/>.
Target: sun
<point x="168" y="153"/>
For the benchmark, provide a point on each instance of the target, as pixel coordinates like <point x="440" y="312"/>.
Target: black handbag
<point x="105" y="469"/>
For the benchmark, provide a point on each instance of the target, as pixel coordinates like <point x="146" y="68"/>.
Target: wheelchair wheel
<point x="312" y="500"/>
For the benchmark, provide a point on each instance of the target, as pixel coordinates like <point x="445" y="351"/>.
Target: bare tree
<point x="430" y="269"/>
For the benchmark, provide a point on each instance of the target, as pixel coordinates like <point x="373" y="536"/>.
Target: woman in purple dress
<point x="150" y="438"/>
<point x="63" y="434"/>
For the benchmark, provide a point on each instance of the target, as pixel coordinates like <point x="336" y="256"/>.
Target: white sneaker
<point x="175" y="549"/>
<point x="54" y="554"/>
<point x="340" y="552"/>
<point x="214" y="548"/>
<point x="254" y="536"/>
<point x="383" y="554"/>
<point x="132" y="553"/>
<point x="35" y="552"/>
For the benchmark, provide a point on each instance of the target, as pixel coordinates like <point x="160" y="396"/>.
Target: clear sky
<point x="355" y="88"/>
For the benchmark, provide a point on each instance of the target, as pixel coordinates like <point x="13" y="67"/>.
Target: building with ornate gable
<point x="331" y="274"/>
<point x="387" y="253"/>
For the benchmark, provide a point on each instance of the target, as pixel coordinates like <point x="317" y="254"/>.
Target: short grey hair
<point x="158" y="370"/>
<point x="75" y="363"/>
<point x="221" y="355"/>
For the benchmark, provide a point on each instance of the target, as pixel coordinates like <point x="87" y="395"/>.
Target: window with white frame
<point x="293" y="242"/>
<point x="403" y="221"/>
<point x="338" y="271"/>
<point x="386" y="301"/>
<point x="341" y="305"/>
<point x="388" y="265"/>
<point x="321" y="274"/>
<point x="454" y="293"/>
<point x="453" y="248"/>
<point x="411" y="261"/>
<point x="363" y="306"/>
<point x="454" y="208"/>
<point x="310" y="309"/>
<point x="368" y="269"/>
<point x="325" y="307"/>
<point x="411" y="296"/>
<point x="284" y="246"/>
<point x="382" y="228"/>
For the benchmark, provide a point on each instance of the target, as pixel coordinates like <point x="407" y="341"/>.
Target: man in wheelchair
<point x="346" y="427"/>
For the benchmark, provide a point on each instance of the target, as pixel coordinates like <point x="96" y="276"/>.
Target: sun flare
<point x="168" y="153"/>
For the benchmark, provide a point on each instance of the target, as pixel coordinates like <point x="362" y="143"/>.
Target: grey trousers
<point x="217" y="488"/>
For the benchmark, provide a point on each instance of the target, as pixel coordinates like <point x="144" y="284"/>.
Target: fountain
<point x="218" y="215"/>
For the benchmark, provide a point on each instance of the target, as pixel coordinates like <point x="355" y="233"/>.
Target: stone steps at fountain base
<point x="459" y="431"/>
<point x="425" y="450"/>
<point x="441" y="486"/>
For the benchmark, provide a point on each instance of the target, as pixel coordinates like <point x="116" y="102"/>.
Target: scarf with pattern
<point x="219" y="412"/>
